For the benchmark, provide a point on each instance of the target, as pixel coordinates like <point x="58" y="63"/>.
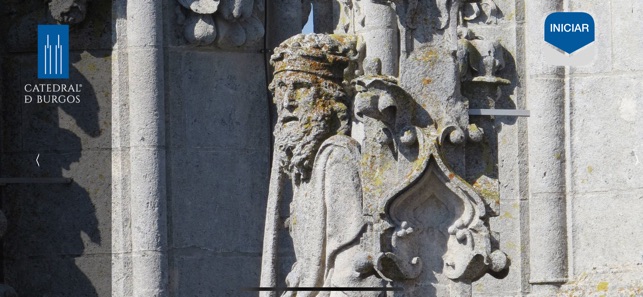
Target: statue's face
<point x="68" y="11"/>
<point x="307" y="114"/>
<point x="295" y="98"/>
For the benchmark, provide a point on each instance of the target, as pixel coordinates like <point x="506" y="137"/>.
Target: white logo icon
<point x="56" y="56"/>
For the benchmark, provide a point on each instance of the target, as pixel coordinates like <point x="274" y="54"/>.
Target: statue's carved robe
<point x="326" y="222"/>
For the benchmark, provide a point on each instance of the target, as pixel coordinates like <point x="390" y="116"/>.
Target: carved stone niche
<point x="429" y="233"/>
<point x="446" y="217"/>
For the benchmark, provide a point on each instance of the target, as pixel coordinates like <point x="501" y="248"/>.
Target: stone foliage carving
<point x="69" y="12"/>
<point x="225" y="23"/>
<point x="479" y="10"/>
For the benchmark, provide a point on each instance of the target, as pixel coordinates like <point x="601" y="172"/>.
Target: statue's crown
<point x="319" y="54"/>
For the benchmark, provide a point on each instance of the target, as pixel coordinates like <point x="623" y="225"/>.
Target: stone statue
<point x="313" y="148"/>
<point x="376" y="165"/>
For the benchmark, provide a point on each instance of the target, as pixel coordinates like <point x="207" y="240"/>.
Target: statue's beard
<point x="297" y="144"/>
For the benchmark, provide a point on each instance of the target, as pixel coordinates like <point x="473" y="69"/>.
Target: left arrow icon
<point x="37" y="160"/>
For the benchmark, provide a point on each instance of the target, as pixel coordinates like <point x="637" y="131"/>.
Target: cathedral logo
<point x="53" y="51"/>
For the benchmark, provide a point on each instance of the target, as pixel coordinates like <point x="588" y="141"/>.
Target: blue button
<point x="569" y="31"/>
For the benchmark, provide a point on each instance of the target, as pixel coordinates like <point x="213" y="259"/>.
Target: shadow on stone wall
<point x="58" y="241"/>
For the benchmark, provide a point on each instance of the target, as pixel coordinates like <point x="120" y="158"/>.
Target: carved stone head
<point x="311" y="102"/>
<point x="69" y="12"/>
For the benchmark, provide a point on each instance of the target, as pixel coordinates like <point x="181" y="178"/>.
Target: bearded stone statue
<point x="313" y="149"/>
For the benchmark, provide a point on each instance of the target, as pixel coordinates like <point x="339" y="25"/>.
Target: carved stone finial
<point x="487" y="60"/>
<point x="484" y="57"/>
<point x="372" y="66"/>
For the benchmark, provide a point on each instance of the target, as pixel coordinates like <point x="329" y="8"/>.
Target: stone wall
<point x="219" y="150"/>
<point x="215" y="111"/>
<point x="604" y="140"/>
<point x="573" y="170"/>
<point x="218" y="165"/>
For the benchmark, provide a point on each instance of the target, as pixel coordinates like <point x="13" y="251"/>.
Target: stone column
<point x="546" y="130"/>
<point x="381" y="35"/>
<point x="147" y="148"/>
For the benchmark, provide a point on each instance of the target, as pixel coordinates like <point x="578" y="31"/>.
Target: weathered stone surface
<point x="622" y="280"/>
<point x="594" y="235"/>
<point x="216" y="272"/>
<point x="60" y="275"/>
<point x="625" y="46"/>
<point x="218" y="155"/>
<point x="218" y="113"/>
<point x="231" y="201"/>
<point x="595" y="155"/>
